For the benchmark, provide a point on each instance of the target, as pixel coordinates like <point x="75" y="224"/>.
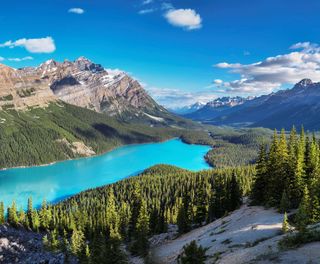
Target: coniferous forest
<point x="94" y="224"/>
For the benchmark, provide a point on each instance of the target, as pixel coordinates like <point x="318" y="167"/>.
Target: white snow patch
<point x="159" y="119"/>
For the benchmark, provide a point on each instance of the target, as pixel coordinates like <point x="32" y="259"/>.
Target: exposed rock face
<point x="20" y="89"/>
<point x="21" y="246"/>
<point x="82" y="83"/>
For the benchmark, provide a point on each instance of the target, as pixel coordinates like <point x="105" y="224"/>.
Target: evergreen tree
<point x="141" y="243"/>
<point x="45" y="216"/>
<point x="192" y="253"/>
<point x="284" y="203"/>
<point x="2" y="218"/>
<point x="285" y="224"/>
<point x="235" y="193"/>
<point x="30" y="212"/>
<point x="12" y="215"/>
<point x="200" y="205"/>
<point x="303" y="213"/>
<point x="77" y="242"/>
<point x="258" y="194"/>
<point x="112" y="217"/>
<point x="184" y="218"/>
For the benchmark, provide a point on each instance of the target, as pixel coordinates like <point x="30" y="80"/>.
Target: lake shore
<point x="103" y="153"/>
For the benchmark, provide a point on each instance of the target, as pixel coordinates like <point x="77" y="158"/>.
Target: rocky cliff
<point x="81" y="83"/>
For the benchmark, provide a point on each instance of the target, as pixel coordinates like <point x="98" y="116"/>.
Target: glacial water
<point x="63" y="179"/>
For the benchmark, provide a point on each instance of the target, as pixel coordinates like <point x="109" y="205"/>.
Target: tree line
<point x="288" y="176"/>
<point x="94" y="224"/>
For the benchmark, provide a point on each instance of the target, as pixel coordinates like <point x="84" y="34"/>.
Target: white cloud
<point x="185" y="18"/>
<point x="76" y="10"/>
<point x="40" y="45"/>
<point x="147" y="2"/>
<point x="175" y="98"/>
<point x="166" y="6"/>
<point x="20" y="59"/>
<point x="274" y="72"/>
<point x="146" y="11"/>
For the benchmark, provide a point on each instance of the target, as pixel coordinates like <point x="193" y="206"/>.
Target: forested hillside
<point x="44" y="135"/>
<point x="93" y="224"/>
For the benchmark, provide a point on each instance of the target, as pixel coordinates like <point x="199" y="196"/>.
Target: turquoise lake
<point x="62" y="179"/>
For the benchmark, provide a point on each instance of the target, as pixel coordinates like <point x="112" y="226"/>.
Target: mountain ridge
<point x="297" y="106"/>
<point x="82" y="83"/>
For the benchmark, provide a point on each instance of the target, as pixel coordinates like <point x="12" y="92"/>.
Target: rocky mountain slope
<point x="21" y="246"/>
<point x="81" y="83"/>
<point x="248" y="235"/>
<point x="283" y="109"/>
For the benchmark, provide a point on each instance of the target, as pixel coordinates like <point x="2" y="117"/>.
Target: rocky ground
<point x="248" y="235"/>
<point x="21" y="246"/>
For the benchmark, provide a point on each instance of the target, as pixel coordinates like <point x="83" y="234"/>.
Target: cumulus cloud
<point x="188" y="19"/>
<point x="146" y="11"/>
<point x="76" y="10"/>
<point x="175" y="98"/>
<point x="20" y="59"/>
<point x="274" y="72"/>
<point x="39" y="45"/>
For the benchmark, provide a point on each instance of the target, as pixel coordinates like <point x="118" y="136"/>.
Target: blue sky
<point x="176" y="49"/>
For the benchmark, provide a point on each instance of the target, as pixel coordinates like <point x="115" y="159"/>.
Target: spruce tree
<point x="141" y="244"/>
<point x="258" y="194"/>
<point x="235" y="193"/>
<point x="30" y="212"/>
<point x="2" y="218"/>
<point x="77" y="242"/>
<point x="303" y="213"/>
<point x="192" y="253"/>
<point x="284" y="203"/>
<point x="200" y="205"/>
<point x="285" y="224"/>
<point x="184" y="217"/>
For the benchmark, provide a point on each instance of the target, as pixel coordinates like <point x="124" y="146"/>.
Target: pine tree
<point x="87" y="255"/>
<point x="200" y="205"/>
<point x="135" y="209"/>
<point x="45" y="216"/>
<point x="284" y="203"/>
<point x="183" y="218"/>
<point x="258" y="194"/>
<point x="112" y="217"/>
<point x="303" y="213"/>
<point x="192" y="253"/>
<point x="285" y="224"/>
<point x="274" y="170"/>
<point x="2" y="218"/>
<point x="12" y="215"/>
<point x="141" y="244"/>
<point x="30" y="212"/>
<point x="77" y="242"/>
<point x="35" y="220"/>
<point x="235" y="193"/>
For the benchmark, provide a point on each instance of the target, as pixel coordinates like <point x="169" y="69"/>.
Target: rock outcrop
<point x="21" y="246"/>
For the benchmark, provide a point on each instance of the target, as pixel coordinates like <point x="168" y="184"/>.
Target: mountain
<point x="67" y="110"/>
<point x="188" y="109"/>
<point x="81" y="83"/>
<point x="215" y="107"/>
<point x="283" y="109"/>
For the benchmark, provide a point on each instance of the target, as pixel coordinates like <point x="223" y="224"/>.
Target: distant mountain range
<point x="215" y="107"/>
<point x="81" y="83"/>
<point x="188" y="109"/>
<point x="283" y="109"/>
